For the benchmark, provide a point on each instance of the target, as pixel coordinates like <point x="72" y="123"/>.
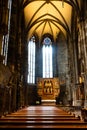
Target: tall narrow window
<point x="4" y="50"/>
<point x="31" y="60"/>
<point x="47" y="58"/>
<point x="5" y="39"/>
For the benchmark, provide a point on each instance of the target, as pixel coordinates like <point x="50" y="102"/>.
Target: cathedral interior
<point x="43" y="53"/>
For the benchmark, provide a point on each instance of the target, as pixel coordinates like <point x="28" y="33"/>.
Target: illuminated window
<point x="31" y="61"/>
<point x="47" y="58"/>
<point x="4" y="50"/>
<point x="5" y="39"/>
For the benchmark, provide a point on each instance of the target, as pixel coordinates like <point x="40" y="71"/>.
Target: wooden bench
<point x="41" y="117"/>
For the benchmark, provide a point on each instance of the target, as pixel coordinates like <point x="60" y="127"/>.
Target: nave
<point x="42" y="117"/>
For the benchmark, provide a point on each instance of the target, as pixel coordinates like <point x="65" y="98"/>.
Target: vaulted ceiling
<point x="49" y="16"/>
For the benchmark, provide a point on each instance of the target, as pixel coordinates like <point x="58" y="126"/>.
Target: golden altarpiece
<point x="48" y="88"/>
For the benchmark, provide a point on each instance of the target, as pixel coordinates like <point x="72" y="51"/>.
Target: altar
<point x="48" y="88"/>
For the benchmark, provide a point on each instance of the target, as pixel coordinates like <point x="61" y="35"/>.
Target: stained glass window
<point x="47" y="58"/>
<point x="31" y="61"/>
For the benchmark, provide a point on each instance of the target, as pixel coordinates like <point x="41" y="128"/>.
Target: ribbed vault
<point x="49" y="16"/>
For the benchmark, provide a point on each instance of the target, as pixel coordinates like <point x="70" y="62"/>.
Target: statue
<point x="5" y="72"/>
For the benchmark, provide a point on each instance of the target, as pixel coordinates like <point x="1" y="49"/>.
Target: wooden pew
<point x="41" y="117"/>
